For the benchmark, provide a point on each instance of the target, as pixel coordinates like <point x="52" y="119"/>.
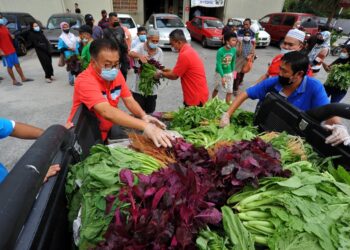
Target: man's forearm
<point x="170" y="75"/>
<point x="237" y="102"/>
<point x="134" y="107"/>
<point x="25" y="131"/>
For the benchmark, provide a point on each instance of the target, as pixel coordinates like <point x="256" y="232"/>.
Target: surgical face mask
<point x="285" y="51"/>
<point x="152" y="45"/>
<point x="284" y="81"/>
<point x="2" y="21"/>
<point x="344" y="55"/>
<point x="36" y="28"/>
<point x="66" y="31"/>
<point x="109" y="74"/>
<point x="246" y="38"/>
<point x="230" y="23"/>
<point x="85" y="40"/>
<point x="116" y="24"/>
<point x="142" y="38"/>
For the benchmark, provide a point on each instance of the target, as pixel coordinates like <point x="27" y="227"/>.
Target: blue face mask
<point x="36" y="28"/>
<point x="142" y="38"/>
<point x="152" y="45"/>
<point x="2" y="21"/>
<point x="109" y="74"/>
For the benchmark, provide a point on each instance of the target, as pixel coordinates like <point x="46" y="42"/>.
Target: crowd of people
<point x="98" y="61"/>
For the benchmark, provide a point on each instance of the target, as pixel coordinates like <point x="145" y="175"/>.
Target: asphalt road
<point x="42" y="104"/>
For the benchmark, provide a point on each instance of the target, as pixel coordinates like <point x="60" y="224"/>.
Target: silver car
<point x="166" y="23"/>
<point x="53" y="30"/>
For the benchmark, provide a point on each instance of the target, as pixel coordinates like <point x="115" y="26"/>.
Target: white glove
<point x="155" y="121"/>
<point x="225" y="120"/>
<point x="158" y="136"/>
<point x="339" y="135"/>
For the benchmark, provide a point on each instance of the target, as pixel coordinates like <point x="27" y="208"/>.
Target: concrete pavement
<point x="42" y="104"/>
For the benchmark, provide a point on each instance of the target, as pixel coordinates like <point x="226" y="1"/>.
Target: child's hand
<point x="223" y="82"/>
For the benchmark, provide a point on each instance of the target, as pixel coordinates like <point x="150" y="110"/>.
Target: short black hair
<point x="115" y="14"/>
<point x="85" y="29"/>
<point x="297" y="60"/>
<point x="103" y="12"/>
<point x="248" y="19"/>
<point x="102" y="44"/>
<point x="141" y="28"/>
<point x="229" y="35"/>
<point x="178" y="35"/>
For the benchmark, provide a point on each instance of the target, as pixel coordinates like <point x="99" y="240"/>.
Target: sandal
<point x="28" y="80"/>
<point x="17" y="84"/>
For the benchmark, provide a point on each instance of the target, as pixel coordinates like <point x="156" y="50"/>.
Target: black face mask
<point x="319" y="41"/>
<point x="284" y="81"/>
<point x="66" y="31"/>
<point x="116" y="24"/>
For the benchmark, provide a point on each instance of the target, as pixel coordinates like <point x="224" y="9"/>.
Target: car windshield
<point x="212" y="24"/>
<point x="308" y="22"/>
<point x="54" y="22"/>
<point x="255" y="22"/>
<point x="169" y="22"/>
<point x="10" y="22"/>
<point x="127" y="22"/>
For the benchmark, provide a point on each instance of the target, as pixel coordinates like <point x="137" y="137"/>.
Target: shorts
<point x="228" y="85"/>
<point x="10" y="60"/>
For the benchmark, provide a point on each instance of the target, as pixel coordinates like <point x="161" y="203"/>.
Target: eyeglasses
<point x="109" y="66"/>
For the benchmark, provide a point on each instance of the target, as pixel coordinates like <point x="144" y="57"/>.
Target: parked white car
<point x="128" y="22"/>
<point x="264" y="38"/>
<point x="166" y="23"/>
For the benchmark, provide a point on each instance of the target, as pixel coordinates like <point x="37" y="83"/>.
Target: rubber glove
<point x="225" y="120"/>
<point x="155" y="121"/>
<point x="158" y="136"/>
<point x="339" y="135"/>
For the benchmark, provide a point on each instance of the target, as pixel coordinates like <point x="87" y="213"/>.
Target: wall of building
<point x="92" y="7"/>
<point x="36" y="8"/>
<point x="254" y="9"/>
<point x="135" y="8"/>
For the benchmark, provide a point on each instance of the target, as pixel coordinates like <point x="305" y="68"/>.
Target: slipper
<point x="17" y="84"/>
<point x="28" y="80"/>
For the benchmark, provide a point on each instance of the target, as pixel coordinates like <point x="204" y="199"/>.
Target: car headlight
<point x="215" y="38"/>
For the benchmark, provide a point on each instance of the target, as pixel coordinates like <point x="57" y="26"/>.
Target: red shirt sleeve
<point x="89" y="92"/>
<point x="181" y="65"/>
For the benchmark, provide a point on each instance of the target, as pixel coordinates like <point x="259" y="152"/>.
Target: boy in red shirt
<point x="8" y="52"/>
<point x="190" y="68"/>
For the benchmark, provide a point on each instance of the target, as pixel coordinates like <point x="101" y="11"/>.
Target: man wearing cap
<point x="294" y="41"/>
<point x="97" y="31"/>
<point x="145" y="52"/>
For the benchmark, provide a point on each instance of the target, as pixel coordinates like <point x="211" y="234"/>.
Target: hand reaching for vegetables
<point x="143" y="59"/>
<point x="53" y="170"/>
<point x="339" y="135"/>
<point x="153" y="120"/>
<point x="225" y="120"/>
<point x="223" y="82"/>
<point x="158" y="136"/>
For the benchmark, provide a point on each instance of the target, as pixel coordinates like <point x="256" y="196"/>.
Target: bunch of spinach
<point x="308" y="210"/>
<point x="92" y="181"/>
<point x="339" y="76"/>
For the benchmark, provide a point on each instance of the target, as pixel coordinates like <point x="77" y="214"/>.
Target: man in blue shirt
<point x="300" y="90"/>
<point x="22" y="131"/>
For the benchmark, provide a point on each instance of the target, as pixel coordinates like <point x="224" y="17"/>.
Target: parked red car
<point x="207" y="30"/>
<point x="278" y="24"/>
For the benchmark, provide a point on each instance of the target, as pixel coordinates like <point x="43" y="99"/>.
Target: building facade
<point x="142" y="9"/>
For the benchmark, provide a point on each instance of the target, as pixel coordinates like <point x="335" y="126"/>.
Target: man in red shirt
<point x="99" y="88"/>
<point x="8" y="52"/>
<point x="190" y="68"/>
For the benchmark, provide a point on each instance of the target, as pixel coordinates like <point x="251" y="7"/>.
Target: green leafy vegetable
<point x="147" y="81"/>
<point x="339" y="76"/>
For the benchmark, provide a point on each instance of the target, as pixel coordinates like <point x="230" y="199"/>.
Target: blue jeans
<point x="336" y="94"/>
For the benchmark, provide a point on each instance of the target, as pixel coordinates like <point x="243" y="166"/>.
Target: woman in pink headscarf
<point x="68" y="44"/>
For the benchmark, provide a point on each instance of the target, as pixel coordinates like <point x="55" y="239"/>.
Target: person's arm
<point x="134" y="107"/>
<point x="134" y="54"/>
<point x="237" y="102"/>
<point x="25" y="131"/>
<point x="170" y="75"/>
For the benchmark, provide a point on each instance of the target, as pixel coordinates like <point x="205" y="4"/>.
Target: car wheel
<point x="204" y="42"/>
<point x="22" y="49"/>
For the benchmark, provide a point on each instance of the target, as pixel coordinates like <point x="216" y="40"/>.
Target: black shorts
<point x="147" y="103"/>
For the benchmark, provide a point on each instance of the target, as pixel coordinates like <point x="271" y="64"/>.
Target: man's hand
<point x="1" y="53"/>
<point x="158" y="75"/>
<point x="143" y="59"/>
<point x="155" y="121"/>
<point x="339" y="135"/>
<point x="53" y="170"/>
<point x="158" y="136"/>
<point x="225" y="120"/>
<point x="223" y="82"/>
